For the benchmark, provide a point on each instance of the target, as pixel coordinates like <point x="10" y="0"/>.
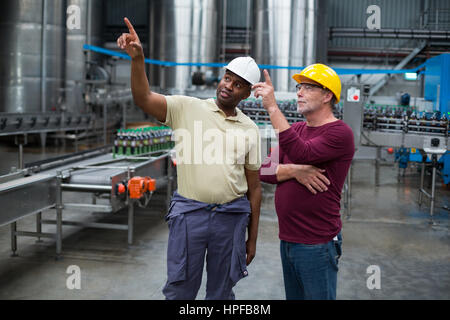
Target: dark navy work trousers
<point x="196" y="230"/>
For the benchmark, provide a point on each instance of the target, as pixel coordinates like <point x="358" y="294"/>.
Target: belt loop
<point x="213" y="207"/>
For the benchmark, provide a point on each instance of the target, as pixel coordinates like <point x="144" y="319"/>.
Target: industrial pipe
<point x="389" y="33"/>
<point x="85" y="187"/>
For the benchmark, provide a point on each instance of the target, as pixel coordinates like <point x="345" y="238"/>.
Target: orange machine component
<point x="137" y="186"/>
<point x="150" y="183"/>
<point x="121" y="188"/>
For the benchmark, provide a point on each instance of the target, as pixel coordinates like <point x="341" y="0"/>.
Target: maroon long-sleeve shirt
<point x="304" y="217"/>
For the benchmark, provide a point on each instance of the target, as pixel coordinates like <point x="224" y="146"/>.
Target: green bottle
<point x="120" y="142"/>
<point x="129" y="139"/>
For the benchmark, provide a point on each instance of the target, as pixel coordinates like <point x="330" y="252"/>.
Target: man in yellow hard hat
<point x="309" y="221"/>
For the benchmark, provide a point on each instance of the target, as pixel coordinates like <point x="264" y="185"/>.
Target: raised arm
<point x="150" y="102"/>
<point x="266" y="91"/>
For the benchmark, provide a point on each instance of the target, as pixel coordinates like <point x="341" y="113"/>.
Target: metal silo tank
<point x="182" y="31"/>
<point x="31" y="63"/>
<point x="90" y="32"/>
<point x="284" y="35"/>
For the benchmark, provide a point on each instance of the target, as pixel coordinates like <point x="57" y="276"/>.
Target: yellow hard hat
<point x="322" y="74"/>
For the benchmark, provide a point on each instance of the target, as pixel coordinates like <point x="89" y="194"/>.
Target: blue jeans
<point x="310" y="271"/>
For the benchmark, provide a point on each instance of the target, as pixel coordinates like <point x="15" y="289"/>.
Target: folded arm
<point x="328" y="146"/>
<point x="311" y="177"/>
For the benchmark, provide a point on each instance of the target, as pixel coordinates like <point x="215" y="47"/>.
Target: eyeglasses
<point x="308" y="86"/>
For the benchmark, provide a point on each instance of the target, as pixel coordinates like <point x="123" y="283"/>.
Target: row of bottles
<point x="385" y="117"/>
<point x="432" y="122"/>
<point x="135" y="142"/>
<point x="254" y="109"/>
<point x="376" y="117"/>
<point x="407" y="119"/>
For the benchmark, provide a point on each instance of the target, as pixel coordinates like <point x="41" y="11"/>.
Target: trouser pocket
<point x="335" y="250"/>
<point x="238" y="268"/>
<point x="176" y="249"/>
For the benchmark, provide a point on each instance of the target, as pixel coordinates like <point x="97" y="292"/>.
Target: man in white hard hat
<point x="219" y="193"/>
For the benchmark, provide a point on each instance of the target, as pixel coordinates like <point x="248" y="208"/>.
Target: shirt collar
<point x="238" y="117"/>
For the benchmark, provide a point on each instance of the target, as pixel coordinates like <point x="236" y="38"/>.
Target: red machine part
<point x="136" y="187"/>
<point x="121" y="188"/>
<point x="150" y="184"/>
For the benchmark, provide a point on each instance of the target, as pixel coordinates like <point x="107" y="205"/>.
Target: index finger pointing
<point x="130" y="26"/>
<point x="267" y="77"/>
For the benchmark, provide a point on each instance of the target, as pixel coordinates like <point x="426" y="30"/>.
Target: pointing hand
<point x="266" y="91"/>
<point x="130" y="42"/>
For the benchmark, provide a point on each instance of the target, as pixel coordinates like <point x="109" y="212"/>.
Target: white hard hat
<point x="246" y="68"/>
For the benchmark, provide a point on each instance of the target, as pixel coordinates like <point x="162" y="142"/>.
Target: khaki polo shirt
<point x="212" y="150"/>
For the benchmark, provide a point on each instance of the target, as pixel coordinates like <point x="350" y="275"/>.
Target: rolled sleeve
<point x="267" y="173"/>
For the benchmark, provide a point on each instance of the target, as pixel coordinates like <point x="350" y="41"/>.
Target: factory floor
<point x="386" y="229"/>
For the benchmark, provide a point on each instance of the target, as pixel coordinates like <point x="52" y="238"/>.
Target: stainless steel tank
<point x="90" y="32"/>
<point x="182" y="31"/>
<point x="31" y="57"/>
<point x="284" y="35"/>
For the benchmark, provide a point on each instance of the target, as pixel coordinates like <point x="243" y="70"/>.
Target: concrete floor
<point x="386" y="229"/>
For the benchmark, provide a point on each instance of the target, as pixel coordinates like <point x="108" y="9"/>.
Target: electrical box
<point x="352" y="97"/>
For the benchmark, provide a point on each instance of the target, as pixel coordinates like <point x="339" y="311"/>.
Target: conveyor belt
<point x="25" y="196"/>
<point x="23" y="182"/>
<point x="102" y="176"/>
<point x="39" y="189"/>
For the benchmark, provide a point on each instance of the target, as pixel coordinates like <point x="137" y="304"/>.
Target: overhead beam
<point x="399" y="66"/>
